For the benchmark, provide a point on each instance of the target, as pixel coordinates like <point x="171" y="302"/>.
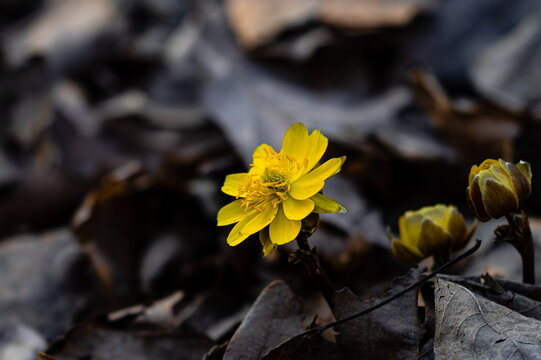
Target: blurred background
<point x="121" y="118"/>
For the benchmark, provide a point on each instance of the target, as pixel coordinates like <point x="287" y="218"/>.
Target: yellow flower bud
<point x="497" y="187"/>
<point x="432" y="230"/>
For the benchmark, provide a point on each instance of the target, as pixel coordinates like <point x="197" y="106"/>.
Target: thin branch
<point x="405" y="290"/>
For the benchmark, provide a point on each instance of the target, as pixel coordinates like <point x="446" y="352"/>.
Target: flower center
<point x="269" y="180"/>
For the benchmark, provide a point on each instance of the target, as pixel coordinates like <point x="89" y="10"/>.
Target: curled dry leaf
<point x="471" y="327"/>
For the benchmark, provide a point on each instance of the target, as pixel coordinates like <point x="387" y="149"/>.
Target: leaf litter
<point x="122" y="118"/>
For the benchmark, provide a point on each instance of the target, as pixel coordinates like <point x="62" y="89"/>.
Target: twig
<point x="405" y="290"/>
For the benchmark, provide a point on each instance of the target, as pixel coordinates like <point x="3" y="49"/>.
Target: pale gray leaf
<point x="469" y="326"/>
<point x="492" y="290"/>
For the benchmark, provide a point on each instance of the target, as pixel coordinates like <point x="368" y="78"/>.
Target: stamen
<point x="270" y="184"/>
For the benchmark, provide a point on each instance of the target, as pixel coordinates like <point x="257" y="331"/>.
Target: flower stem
<point x="519" y="234"/>
<point x="439" y="260"/>
<point x="310" y="260"/>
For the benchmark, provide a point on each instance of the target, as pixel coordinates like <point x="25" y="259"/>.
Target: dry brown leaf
<point x="306" y="346"/>
<point x="371" y="14"/>
<point x="476" y="131"/>
<point x="275" y="316"/>
<point x="391" y="332"/>
<point x="257" y="22"/>
<point x="99" y="341"/>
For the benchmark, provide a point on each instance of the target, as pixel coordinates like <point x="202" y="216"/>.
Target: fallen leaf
<point x="275" y="316"/>
<point x="493" y="290"/>
<point x="99" y="341"/>
<point x="115" y="261"/>
<point x="43" y="356"/>
<point x="390" y="332"/>
<point x="370" y="14"/>
<point x="45" y="282"/>
<point x="471" y="327"/>
<point x="506" y="71"/>
<point x="62" y="22"/>
<point x="258" y="22"/>
<point x="531" y="291"/>
<point x="308" y="345"/>
<point x="20" y="342"/>
<point x="477" y="131"/>
<point x="216" y="352"/>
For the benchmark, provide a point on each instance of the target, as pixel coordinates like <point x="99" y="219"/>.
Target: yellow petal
<point x="436" y="213"/>
<point x="405" y="252"/>
<point x="484" y="176"/>
<point x="462" y="244"/>
<point x="475" y="200"/>
<point x="295" y="141"/>
<point x="317" y="144"/>
<point x="500" y="174"/>
<point x="497" y="198"/>
<point x="520" y="179"/>
<point x="231" y="213"/>
<point x="486" y="164"/>
<point x="236" y="236"/>
<point x="297" y="209"/>
<point x="433" y="238"/>
<point x="474" y="171"/>
<point x="455" y="225"/>
<point x="409" y="226"/>
<point x="261" y="154"/>
<point x="313" y="182"/>
<point x="282" y="230"/>
<point x="304" y="191"/>
<point x="525" y="168"/>
<point x="268" y="246"/>
<point x="324" y="204"/>
<point x="260" y="220"/>
<point x="233" y="182"/>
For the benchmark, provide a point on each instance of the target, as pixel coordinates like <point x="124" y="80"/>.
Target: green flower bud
<point x="497" y="187"/>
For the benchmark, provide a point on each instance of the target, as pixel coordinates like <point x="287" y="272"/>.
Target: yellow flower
<point x="432" y="230"/>
<point x="497" y="187"/>
<point x="280" y="190"/>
